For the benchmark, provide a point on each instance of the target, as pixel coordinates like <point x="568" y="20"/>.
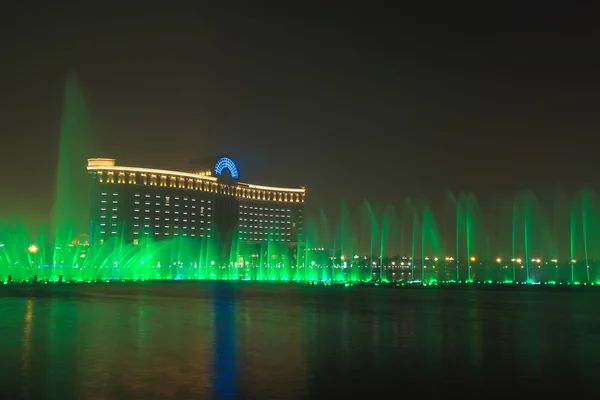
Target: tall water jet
<point x="76" y="144"/>
<point x="464" y="217"/>
<point x="448" y="222"/>
<point x="234" y="254"/>
<point x="458" y="221"/>
<point x="371" y="222"/>
<point x="531" y="221"/>
<point x="572" y="233"/>
<point x="468" y="225"/>
<point x="476" y="238"/>
<point x="585" y="241"/>
<point x="325" y="242"/>
<point x="560" y="224"/>
<point x="515" y="211"/>
<point x="346" y="240"/>
<point x="406" y="219"/>
<point x="312" y="242"/>
<point x="587" y="218"/>
<point x="548" y="246"/>
<point x="430" y="239"/>
<point x="526" y="212"/>
<point x="415" y="232"/>
<point x="407" y="235"/>
<point x="388" y="221"/>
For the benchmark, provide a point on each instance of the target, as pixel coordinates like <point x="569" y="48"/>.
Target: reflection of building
<point x="207" y="200"/>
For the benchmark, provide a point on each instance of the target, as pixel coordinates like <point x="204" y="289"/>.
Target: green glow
<point x="430" y="244"/>
<point x="70" y="212"/>
<point x="457" y="223"/>
<point x="185" y="258"/>
<point x="468" y="238"/>
<point x="372" y="223"/>
<point x="414" y="243"/>
<point x="331" y="251"/>
<point x="585" y="201"/>
<point x="514" y="241"/>
<point x="526" y="212"/>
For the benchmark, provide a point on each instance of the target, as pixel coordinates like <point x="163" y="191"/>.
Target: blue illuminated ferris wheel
<point x="226" y="163"/>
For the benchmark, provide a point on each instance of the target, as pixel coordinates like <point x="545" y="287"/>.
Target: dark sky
<point x="350" y="102"/>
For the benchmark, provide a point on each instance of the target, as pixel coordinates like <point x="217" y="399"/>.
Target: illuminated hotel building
<point x="206" y="200"/>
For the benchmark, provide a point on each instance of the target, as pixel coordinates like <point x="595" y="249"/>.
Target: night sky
<point x="350" y="102"/>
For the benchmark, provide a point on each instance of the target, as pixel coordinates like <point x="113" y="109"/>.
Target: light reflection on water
<point x="227" y="340"/>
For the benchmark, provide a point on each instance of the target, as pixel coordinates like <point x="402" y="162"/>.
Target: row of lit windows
<point x="168" y="227"/>
<point x="167" y="203"/>
<point x="193" y="221"/>
<point x="158" y="196"/>
<point x="267" y="224"/>
<point x="158" y="234"/>
<point x="278" y="218"/>
<point x="265" y="233"/>
<point x="166" y="219"/>
<point x="271" y="239"/>
<point x="261" y="227"/>
<point x="147" y="224"/>
<point x="174" y="219"/>
<point x="147" y="210"/>
<point x="265" y="220"/>
<point x="265" y="208"/>
<point x="158" y="218"/>
<point x="266" y="214"/>
<point x="136" y="226"/>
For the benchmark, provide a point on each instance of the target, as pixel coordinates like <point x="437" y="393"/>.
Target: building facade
<point x="206" y="200"/>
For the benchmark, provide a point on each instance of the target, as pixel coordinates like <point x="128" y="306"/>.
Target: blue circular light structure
<point x="226" y="163"/>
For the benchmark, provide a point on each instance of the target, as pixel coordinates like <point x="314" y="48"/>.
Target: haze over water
<point x="226" y="340"/>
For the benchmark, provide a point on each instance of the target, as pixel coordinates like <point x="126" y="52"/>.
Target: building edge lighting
<point x="109" y="164"/>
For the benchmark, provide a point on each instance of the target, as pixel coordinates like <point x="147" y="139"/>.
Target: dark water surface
<point x="227" y="340"/>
